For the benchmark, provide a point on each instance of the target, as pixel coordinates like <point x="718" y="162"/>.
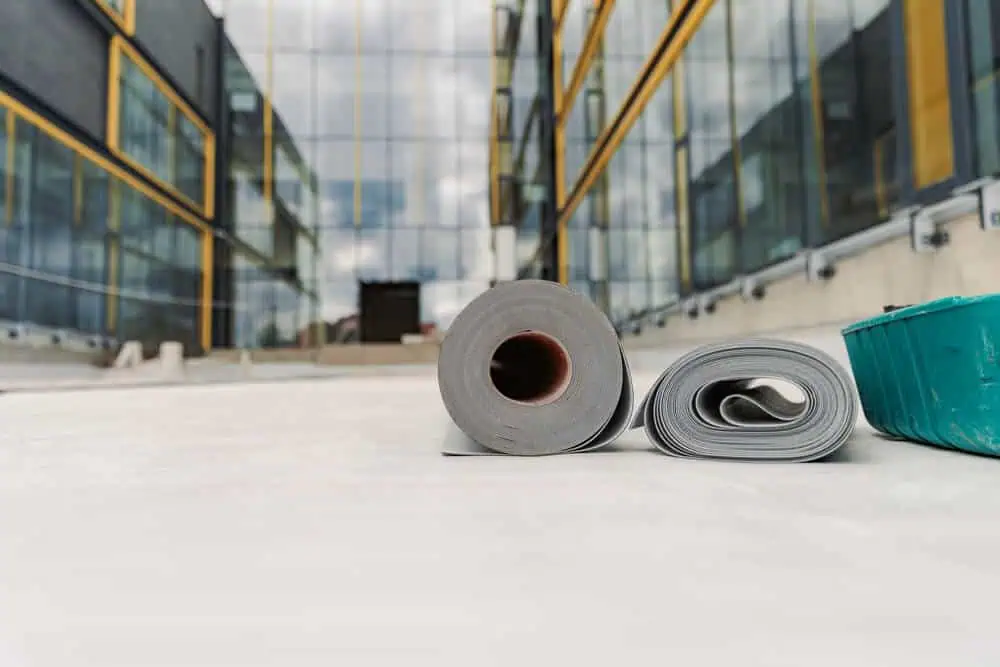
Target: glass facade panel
<point x="775" y="131"/>
<point x="523" y="185"/>
<point x="159" y="264"/>
<point x="848" y="115"/>
<point x="628" y="217"/>
<point x="268" y="310"/>
<point x="388" y="104"/>
<point x="272" y="189"/>
<point x="160" y="135"/>
<point x="983" y="53"/>
<point x="49" y="242"/>
<point x="85" y="250"/>
<point x="769" y="187"/>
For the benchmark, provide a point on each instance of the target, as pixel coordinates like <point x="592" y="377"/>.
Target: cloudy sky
<point x="424" y="111"/>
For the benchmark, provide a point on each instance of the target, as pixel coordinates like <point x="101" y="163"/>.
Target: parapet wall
<point x="887" y="274"/>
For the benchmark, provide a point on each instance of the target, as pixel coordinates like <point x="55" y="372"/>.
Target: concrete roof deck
<point x="313" y="522"/>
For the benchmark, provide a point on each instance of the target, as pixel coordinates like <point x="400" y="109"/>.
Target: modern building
<point x="387" y="101"/>
<point x="280" y="172"/>
<point x="698" y="141"/>
<point x="148" y="189"/>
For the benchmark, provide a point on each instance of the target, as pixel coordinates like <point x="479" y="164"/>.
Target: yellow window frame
<point x="9" y="161"/>
<point x="124" y="20"/>
<point x="928" y="86"/>
<point x="562" y="242"/>
<point x="16" y="109"/>
<point x="121" y="48"/>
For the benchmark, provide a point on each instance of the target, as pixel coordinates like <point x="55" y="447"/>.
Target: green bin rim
<point x="936" y="306"/>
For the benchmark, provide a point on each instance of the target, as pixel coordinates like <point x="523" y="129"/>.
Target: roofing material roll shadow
<point x="710" y="404"/>
<point x="532" y="368"/>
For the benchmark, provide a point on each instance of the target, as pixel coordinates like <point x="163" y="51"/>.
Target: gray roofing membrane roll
<point x="531" y="368"/>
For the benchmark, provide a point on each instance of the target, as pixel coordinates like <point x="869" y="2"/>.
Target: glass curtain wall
<point x="156" y="132"/>
<point x="271" y="211"/>
<point x="983" y="29"/>
<point x="388" y="100"/>
<point x="85" y="249"/>
<point x="792" y="138"/>
<point x="631" y="209"/>
<point x="776" y="130"/>
<point x="530" y="155"/>
<point x="175" y="156"/>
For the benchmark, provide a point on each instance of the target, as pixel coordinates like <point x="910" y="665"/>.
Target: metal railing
<point x="925" y="225"/>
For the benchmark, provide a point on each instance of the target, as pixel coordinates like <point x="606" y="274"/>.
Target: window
<point x="287" y="182"/>
<point x="983" y="50"/>
<point x="151" y="128"/>
<point x="99" y="251"/>
<point x="122" y="12"/>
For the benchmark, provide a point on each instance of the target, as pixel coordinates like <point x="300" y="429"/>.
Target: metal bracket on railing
<point x="692" y="308"/>
<point x="751" y="289"/>
<point x="926" y="235"/>
<point x="989" y="206"/>
<point x="819" y="267"/>
<point x="926" y="225"/>
<point x="987" y="191"/>
<point x="15" y="331"/>
<point x="706" y="304"/>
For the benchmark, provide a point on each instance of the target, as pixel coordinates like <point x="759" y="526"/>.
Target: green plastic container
<point x="931" y="372"/>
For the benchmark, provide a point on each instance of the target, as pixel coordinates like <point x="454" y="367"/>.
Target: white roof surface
<point x="314" y="523"/>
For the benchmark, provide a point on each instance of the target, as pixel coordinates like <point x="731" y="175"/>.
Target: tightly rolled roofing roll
<point x="711" y="404"/>
<point x="532" y="368"/>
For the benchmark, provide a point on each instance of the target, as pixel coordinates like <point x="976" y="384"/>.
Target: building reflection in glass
<point x="89" y="250"/>
<point x="630" y="212"/>
<point x="774" y="132"/>
<point x="386" y="100"/>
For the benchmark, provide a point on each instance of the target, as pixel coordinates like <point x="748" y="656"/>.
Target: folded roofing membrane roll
<point x="711" y="403"/>
<point x="532" y="368"/>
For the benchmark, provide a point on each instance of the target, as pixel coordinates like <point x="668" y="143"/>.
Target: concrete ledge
<point x="19" y="353"/>
<point x="890" y="273"/>
<point x="362" y="355"/>
<point x="340" y="355"/>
